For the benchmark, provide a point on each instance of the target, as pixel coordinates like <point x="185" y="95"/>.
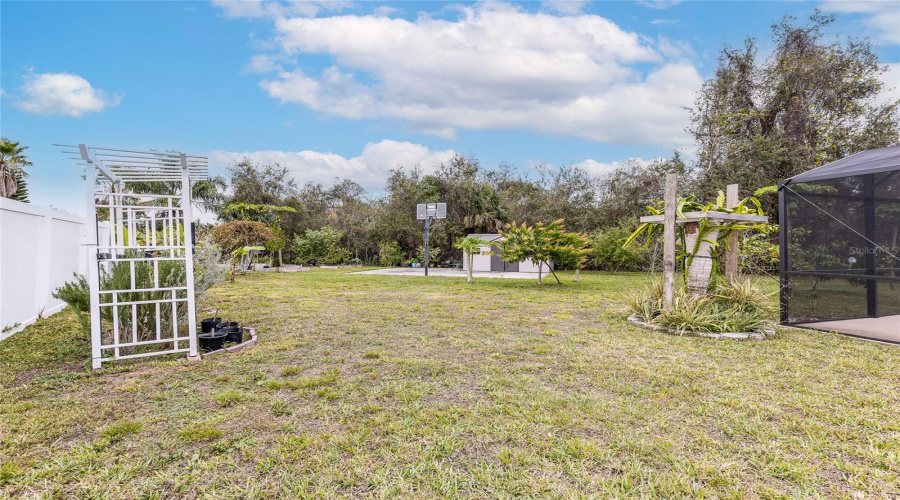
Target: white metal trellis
<point x="141" y="277"/>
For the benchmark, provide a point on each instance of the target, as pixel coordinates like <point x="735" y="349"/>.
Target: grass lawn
<point x="401" y="386"/>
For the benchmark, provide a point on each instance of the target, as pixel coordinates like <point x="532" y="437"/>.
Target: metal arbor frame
<point x="148" y="308"/>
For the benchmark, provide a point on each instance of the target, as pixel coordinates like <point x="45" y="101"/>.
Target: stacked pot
<point x="216" y="332"/>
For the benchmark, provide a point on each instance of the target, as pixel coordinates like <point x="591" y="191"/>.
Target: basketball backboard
<point x="433" y="210"/>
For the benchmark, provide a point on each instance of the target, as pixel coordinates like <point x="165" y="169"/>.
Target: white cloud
<point x="564" y="6"/>
<point x="658" y="4"/>
<point x="891" y="80"/>
<point x="384" y="11"/>
<point x="882" y="18"/>
<point x="370" y="169"/>
<point x="495" y="67"/>
<point x="273" y="9"/>
<point x="263" y="63"/>
<point x="656" y="22"/>
<point x="63" y="94"/>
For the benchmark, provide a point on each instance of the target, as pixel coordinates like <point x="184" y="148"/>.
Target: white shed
<point x="495" y="263"/>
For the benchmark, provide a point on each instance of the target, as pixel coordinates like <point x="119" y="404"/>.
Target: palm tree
<point x="207" y="194"/>
<point x="12" y="169"/>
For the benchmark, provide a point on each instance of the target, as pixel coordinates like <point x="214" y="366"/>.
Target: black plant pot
<point x="209" y="324"/>
<point x="233" y="331"/>
<point x="233" y="334"/>
<point x="211" y="341"/>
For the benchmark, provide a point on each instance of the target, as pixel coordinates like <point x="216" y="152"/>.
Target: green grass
<point x="383" y="386"/>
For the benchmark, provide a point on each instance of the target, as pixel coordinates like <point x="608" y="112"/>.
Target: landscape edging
<point x="768" y="333"/>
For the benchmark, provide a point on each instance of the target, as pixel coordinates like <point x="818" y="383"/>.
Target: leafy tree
<point x="233" y="236"/>
<point x="351" y="212"/>
<point x="267" y="214"/>
<point x="543" y="244"/>
<point x="624" y="194"/>
<point x="609" y="254"/>
<point x="12" y="170"/>
<point x="261" y="184"/>
<point x="321" y="246"/>
<point x="394" y="214"/>
<point x="813" y="101"/>
<point x="277" y="244"/>
<point x="208" y="194"/>
<point x="389" y="253"/>
<point x="472" y="246"/>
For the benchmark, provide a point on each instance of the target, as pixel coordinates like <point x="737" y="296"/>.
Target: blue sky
<point x="353" y="89"/>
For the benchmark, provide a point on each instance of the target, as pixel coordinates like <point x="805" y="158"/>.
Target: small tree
<point x="276" y="244"/>
<point x="544" y="244"/>
<point x="389" y="253"/>
<point x="322" y="246"/>
<point x="234" y="235"/>
<point x="472" y="246"/>
<point x="572" y="253"/>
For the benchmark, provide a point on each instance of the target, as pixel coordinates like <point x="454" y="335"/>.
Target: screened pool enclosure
<point x="840" y="246"/>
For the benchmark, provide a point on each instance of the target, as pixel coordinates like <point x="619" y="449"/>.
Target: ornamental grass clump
<point x="736" y="306"/>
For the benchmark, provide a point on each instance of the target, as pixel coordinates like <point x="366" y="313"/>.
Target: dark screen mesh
<point x="827" y="243"/>
<point x="814" y="298"/>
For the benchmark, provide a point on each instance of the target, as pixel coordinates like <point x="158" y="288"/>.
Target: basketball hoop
<point x="429" y="212"/>
<point x="426" y="211"/>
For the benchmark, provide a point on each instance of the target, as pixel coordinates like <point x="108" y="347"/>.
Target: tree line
<point x="815" y="99"/>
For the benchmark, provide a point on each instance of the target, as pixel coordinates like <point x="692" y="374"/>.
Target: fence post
<point x="93" y="268"/>
<point x="188" y="217"/>
<point x="731" y="253"/>
<point x="669" y="242"/>
<point x="41" y="260"/>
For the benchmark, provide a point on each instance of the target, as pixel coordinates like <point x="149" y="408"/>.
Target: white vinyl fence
<point x="40" y="248"/>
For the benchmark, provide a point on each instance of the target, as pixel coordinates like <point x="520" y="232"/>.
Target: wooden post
<point x="731" y="253"/>
<point x="669" y="242"/>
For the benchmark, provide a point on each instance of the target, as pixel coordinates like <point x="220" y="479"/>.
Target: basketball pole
<point x="427" y="228"/>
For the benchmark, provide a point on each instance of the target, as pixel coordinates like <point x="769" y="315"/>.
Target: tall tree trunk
<point x="470" y="258"/>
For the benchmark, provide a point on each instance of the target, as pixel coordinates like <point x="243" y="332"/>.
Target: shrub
<point x="610" y="253"/>
<point x="389" y="253"/>
<point x="208" y="267"/>
<point x="75" y="293"/>
<point x="321" y="246"/>
<point x="736" y="306"/>
<point x="208" y="271"/>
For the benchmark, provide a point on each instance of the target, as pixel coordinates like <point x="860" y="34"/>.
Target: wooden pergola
<point x="701" y="267"/>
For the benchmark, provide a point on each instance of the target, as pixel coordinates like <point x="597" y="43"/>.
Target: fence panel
<point x="40" y="249"/>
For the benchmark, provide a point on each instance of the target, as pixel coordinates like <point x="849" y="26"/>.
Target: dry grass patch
<point x="381" y="386"/>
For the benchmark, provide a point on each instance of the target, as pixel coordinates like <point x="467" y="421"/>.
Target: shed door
<point x="512" y="267"/>
<point x="496" y="260"/>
